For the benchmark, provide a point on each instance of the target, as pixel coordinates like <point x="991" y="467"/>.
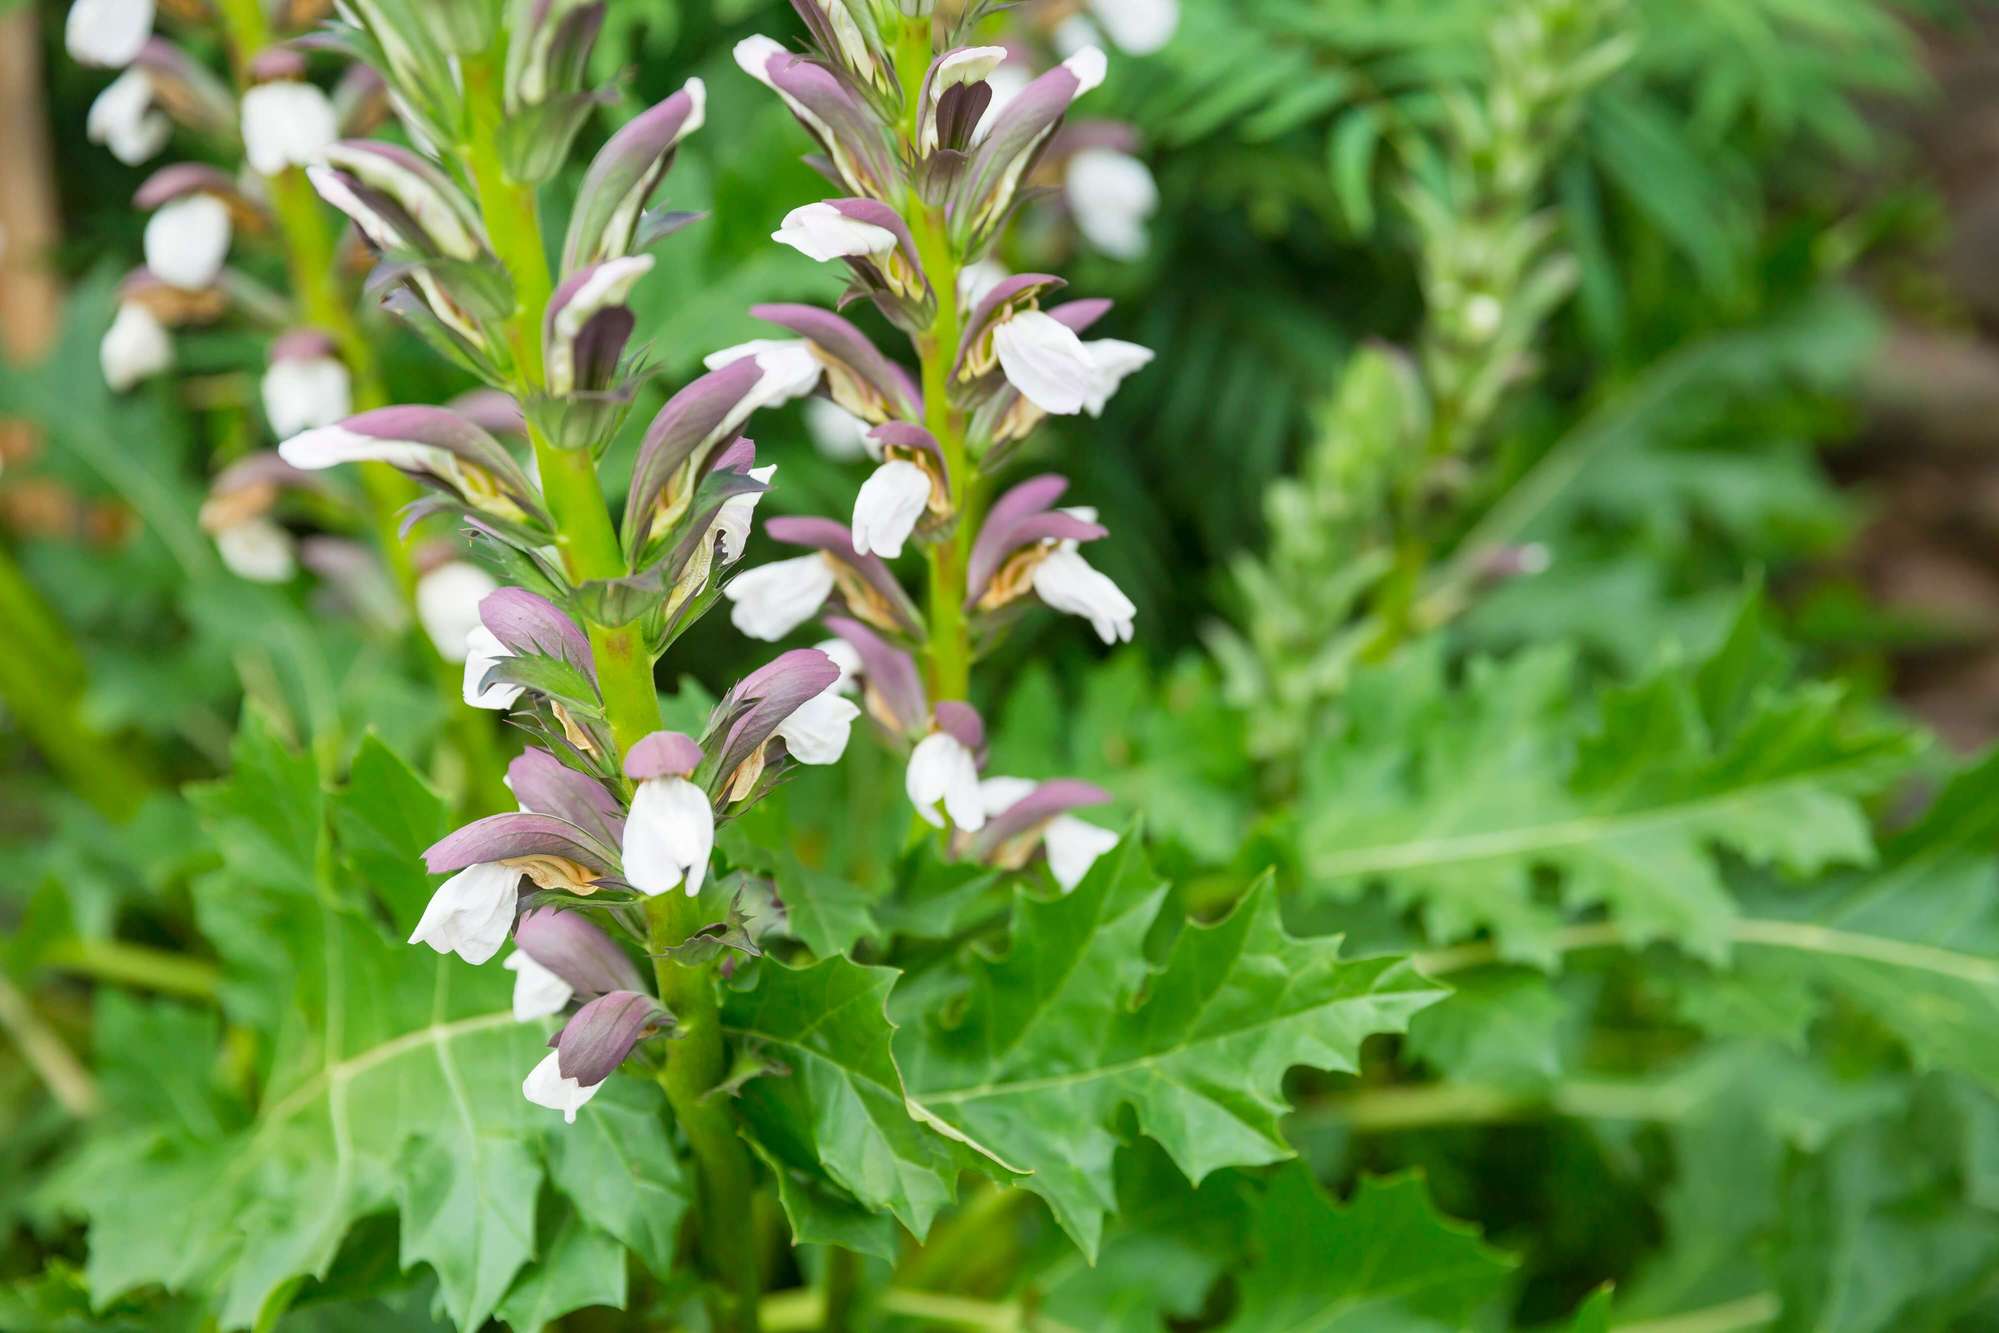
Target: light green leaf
<point x="581" y="1267"/>
<point x="1385" y="1263"/>
<point x="842" y="1104"/>
<point x="618" y="1167"/>
<point x="467" y="1209"/>
<point x="1050" y="1047"/>
<point x="1460" y="798"/>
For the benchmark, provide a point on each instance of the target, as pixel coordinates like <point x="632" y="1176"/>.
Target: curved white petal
<point x="1089" y="65"/>
<point x="822" y="232"/>
<point x="447" y="606"/>
<point x="286" y="124"/>
<point x="817" y="732"/>
<point x="772" y="600"/>
<point x="789" y="369"/>
<point x="1112" y="359"/>
<point x="732" y="522"/>
<point x="1073" y="846"/>
<point x="107" y="32"/>
<point x="668" y="836"/>
<point x="538" y="992"/>
<point x="545" y="1086"/>
<point x="472" y="912"/>
<point x="846" y="657"/>
<point x="483" y="651"/>
<point x="258" y="550"/>
<point x="187" y="240"/>
<point x="305" y="393"/>
<point x="1044" y="359"/>
<point x="942" y="771"/>
<point x="1000" y="794"/>
<point x="892" y="499"/>
<point x="135" y="346"/>
<point x="836" y="432"/>
<point x="1139" y="27"/>
<point x="1069" y="583"/>
<point x="124" y="119"/>
<point x="1112" y="195"/>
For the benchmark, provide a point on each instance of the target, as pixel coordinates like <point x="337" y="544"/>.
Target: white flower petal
<point x="258" y="550"/>
<point x="1069" y="583"/>
<point x="538" y="992"/>
<point x="1139" y="27"/>
<point x="1112" y="195"/>
<point x="892" y="499"/>
<point x="1112" y="359"/>
<point x="187" y="240"/>
<point x="1073" y="846"/>
<point x="942" y="770"/>
<point x="817" y="732"/>
<point x="732" y="521"/>
<point x="135" y="346"/>
<point x="836" y="433"/>
<point x="1001" y="794"/>
<point x="772" y="600"/>
<point x="447" y="605"/>
<point x="545" y="1086"/>
<point x="1089" y="65"/>
<point x="286" y="124"/>
<point x="1044" y="359"/>
<point x="484" y="651"/>
<point x="824" y="233"/>
<point x="846" y="657"/>
<point x="789" y="369"/>
<point x="472" y="912"/>
<point x="668" y="836"/>
<point x="124" y="119"/>
<point x="107" y="32"/>
<point x="303" y="393"/>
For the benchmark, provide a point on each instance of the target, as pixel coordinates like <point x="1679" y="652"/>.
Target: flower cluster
<point x="930" y="166"/>
<point x="618" y="815"/>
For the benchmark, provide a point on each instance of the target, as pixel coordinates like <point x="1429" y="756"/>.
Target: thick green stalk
<point x="695" y="1067"/>
<point x="584" y="535"/>
<point x="949" y="651"/>
<point x="698" y="1059"/>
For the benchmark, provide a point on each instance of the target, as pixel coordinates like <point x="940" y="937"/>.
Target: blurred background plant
<point x="1495" y="587"/>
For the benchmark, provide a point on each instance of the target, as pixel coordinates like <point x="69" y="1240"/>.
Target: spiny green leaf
<point x="1460" y="798"/>
<point x="842" y="1104"/>
<point x="618" y="1168"/>
<point x="1385" y="1263"/>
<point x="1054" y="1041"/>
<point x="581" y="1266"/>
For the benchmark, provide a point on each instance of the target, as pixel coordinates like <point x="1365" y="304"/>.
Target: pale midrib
<point x="1543" y="837"/>
<point x="1012" y="1087"/>
<point x="346" y="1071"/>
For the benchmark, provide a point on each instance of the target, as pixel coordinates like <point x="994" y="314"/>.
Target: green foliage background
<point x="1615" y="932"/>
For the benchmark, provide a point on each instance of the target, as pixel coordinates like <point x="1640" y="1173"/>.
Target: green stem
<point x="53" y="1062"/>
<point x="584" y="535"/>
<point x="42" y="684"/>
<point x="695" y="1067"/>
<point x="841" y="1285"/>
<point x="1384" y="1110"/>
<point x="957" y="1240"/>
<point x="949" y="651"/>
<point x="133" y="965"/>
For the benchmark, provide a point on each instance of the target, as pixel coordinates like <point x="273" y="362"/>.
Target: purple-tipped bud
<point x="429" y="443"/>
<point x="859" y="377"/>
<point x="663" y="754"/>
<point x="1026" y="817"/>
<point x="545" y="785"/>
<point x="183" y="179"/>
<point x="1023" y="516"/>
<point x="962" y="723"/>
<point x="845" y="127"/>
<point x="596" y="1041"/>
<point x="588" y="323"/>
<point x="588" y="961"/>
<point x="865" y="583"/>
<point x="758" y="705"/>
<point x="430" y="215"/>
<point x="550" y="52"/>
<point x="277" y="64"/>
<point x="186" y="89"/>
<point x="529" y="625"/>
<point x="891" y="686"/>
<point x="512" y="837"/>
<point x="955" y="96"/>
<point x="624" y="175"/>
<point x="991" y="180"/>
<point x="707" y="412"/>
